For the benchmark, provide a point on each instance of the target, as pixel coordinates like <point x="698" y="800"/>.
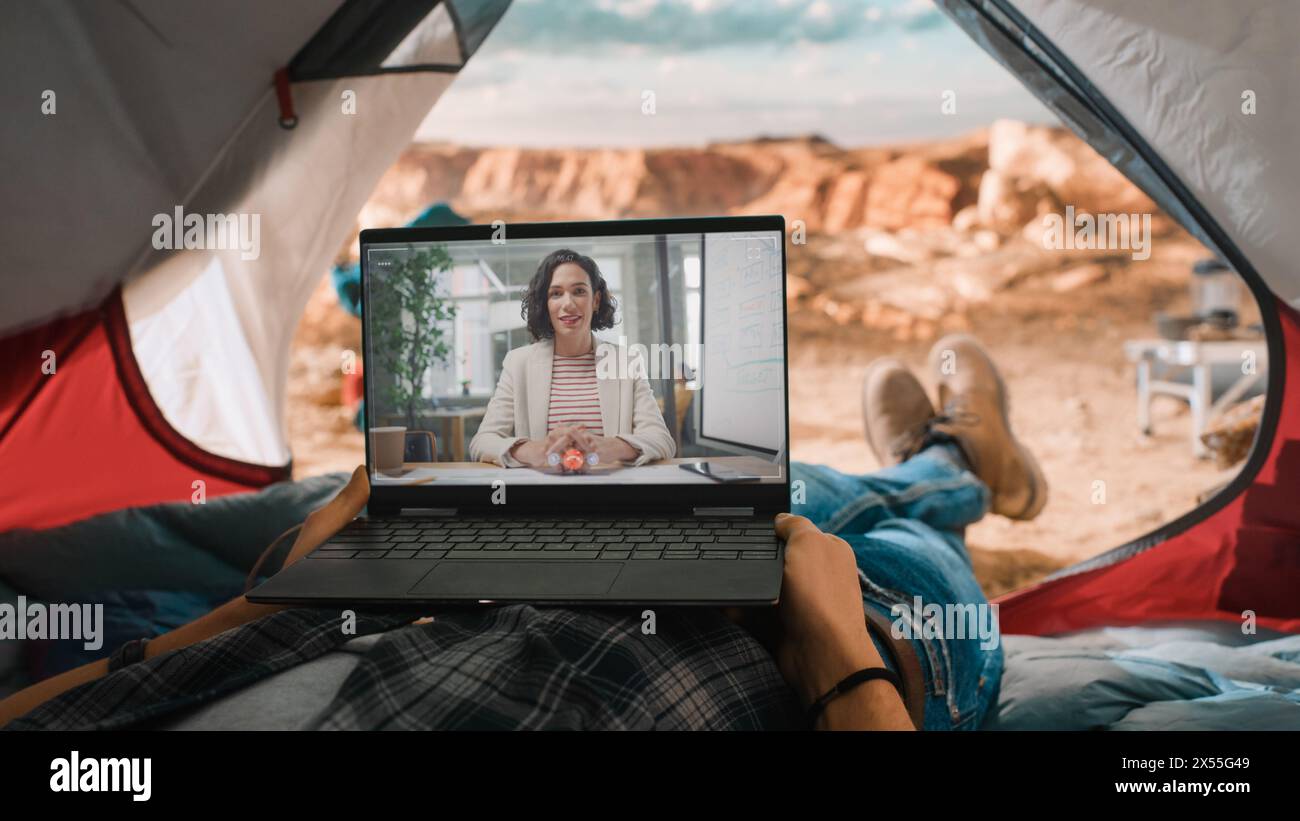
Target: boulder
<point x="1007" y="202"/>
<point x="1075" y="173"/>
<point x="911" y="191"/>
<point x="1078" y="277"/>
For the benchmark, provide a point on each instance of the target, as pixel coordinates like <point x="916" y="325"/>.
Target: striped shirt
<point x="574" y="400"/>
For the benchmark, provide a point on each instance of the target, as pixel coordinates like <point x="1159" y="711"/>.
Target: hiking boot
<point x="895" y="411"/>
<point x="973" y="411"/>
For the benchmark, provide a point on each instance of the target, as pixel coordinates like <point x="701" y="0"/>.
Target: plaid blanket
<point x="507" y="667"/>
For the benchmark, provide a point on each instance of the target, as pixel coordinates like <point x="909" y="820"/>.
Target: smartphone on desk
<point x="719" y="473"/>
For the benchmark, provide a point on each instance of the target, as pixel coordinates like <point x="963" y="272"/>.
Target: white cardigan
<point x="520" y="405"/>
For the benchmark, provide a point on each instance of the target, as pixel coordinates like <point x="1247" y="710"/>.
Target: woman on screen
<point x="549" y="397"/>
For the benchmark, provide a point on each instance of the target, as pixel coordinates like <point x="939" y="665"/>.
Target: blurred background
<point x="920" y="172"/>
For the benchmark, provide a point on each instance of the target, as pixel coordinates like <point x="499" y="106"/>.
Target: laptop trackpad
<point x="484" y="579"/>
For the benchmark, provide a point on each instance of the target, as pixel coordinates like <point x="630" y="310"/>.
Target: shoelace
<point x="910" y="442"/>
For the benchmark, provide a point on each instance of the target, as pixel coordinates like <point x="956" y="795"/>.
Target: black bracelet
<point x="848" y="683"/>
<point x="129" y="653"/>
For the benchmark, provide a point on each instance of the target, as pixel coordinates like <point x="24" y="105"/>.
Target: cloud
<point x="572" y="26"/>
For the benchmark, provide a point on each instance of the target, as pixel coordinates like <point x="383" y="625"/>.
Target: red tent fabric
<point x="1241" y="558"/>
<point x="88" y="438"/>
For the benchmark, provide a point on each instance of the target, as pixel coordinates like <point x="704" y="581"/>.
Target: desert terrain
<point x="895" y="246"/>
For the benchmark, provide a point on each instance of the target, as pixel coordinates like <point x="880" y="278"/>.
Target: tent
<point x="136" y="372"/>
<point x="1196" y="102"/>
<point x="147" y="361"/>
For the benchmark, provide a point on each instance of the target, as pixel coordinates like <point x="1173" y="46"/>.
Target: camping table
<point x="1200" y="357"/>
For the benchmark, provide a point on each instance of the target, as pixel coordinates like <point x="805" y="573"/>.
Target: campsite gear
<point x="686" y="543"/>
<point x="895" y="410"/>
<point x="1229" y="437"/>
<point x="1175" y="326"/>
<point x="1221" y="373"/>
<point x="388" y="446"/>
<point x="973" y="399"/>
<point x="848" y="683"/>
<point x="1216" y="290"/>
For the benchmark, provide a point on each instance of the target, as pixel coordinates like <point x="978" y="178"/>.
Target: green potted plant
<point x="408" y="314"/>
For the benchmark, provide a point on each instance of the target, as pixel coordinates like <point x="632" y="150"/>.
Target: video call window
<point x="687" y="372"/>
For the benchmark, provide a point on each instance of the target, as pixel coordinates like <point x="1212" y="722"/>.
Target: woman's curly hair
<point x="534" y="309"/>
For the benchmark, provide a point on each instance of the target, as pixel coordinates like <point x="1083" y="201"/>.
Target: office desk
<point x="660" y="472"/>
<point x="452" y="422"/>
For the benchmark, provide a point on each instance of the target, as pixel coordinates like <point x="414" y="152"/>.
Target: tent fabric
<point x="308" y="184"/>
<point x="173" y="361"/>
<point x="367" y="36"/>
<point x="1178" y="76"/>
<point x="1160" y="95"/>
<point x="90" y="417"/>
<point x="989" y="25"/>
<point x="147" y="94"/>
<point x="1244" y="558"/>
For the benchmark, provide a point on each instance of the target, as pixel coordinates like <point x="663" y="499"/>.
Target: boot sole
<point x="1037" y="479"/>
<point x="884" y="458"/>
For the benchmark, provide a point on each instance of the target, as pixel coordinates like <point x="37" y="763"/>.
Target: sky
<point x="576" y="73"/>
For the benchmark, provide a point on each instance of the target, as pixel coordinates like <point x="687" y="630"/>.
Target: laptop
<point x="690" y="389"/>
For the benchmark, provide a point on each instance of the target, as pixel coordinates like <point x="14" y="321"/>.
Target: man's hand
<point x="818" y="631"/>
<point x="333" y="517"/>
<point x="822" y="628"/>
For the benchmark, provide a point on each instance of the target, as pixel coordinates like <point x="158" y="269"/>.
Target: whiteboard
<point x="743" y="390"/>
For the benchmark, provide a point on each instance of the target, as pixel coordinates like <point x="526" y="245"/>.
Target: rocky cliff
<point x="1007" y="174"/>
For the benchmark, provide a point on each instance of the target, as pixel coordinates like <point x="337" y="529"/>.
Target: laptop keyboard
<point x="621" y="540"/>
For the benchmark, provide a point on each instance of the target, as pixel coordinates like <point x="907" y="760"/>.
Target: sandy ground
<point x="1072" y="401"/>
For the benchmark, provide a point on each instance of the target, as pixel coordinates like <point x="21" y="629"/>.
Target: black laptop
<point x="467" y="502"/>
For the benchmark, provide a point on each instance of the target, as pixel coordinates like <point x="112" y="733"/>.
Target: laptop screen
<point x="639" y="359"/>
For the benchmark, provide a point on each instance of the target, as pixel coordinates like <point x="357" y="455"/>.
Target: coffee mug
<point x="387" y="448"/>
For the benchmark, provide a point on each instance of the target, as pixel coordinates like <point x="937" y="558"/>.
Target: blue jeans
<point x="905" y="526"/>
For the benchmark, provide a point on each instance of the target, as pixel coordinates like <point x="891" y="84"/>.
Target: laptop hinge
<point x="724" y="511"/>
<point x="427" y="511"/>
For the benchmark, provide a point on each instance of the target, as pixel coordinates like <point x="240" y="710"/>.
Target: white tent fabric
<point x="146" y="94"/>
<point x="218" y="327"/>
<point x="159" y="105"/>
<point x="1178" y="72"/>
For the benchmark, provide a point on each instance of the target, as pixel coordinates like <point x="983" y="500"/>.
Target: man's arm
<point x="823" y="631"/>
<point x="320" y="525"/>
